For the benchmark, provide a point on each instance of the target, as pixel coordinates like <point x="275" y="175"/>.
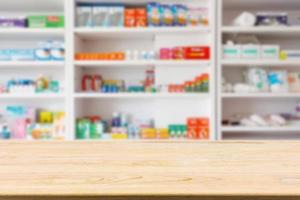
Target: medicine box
<point x="5" y="55"/>
<point x="291" y="54"/>
<point x="22" y="54"/>
<point x="250" y="51"/>
<point x="231" y="51"/>
<point x="55" y="21"/>
<point x="37" y="21"/>
<point x="40" y="21"/>
<point x="100" y="16"/>
<point x="270" y="52"/>
<point x="84" y="16"/>
<point x="116" y="16"/>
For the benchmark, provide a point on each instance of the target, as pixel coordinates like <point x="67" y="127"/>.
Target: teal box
<point x="22" y="54"/>
<point x="5" y="55"/>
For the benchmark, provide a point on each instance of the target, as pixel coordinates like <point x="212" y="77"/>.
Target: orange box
<point x="163" y="133"/>
<point x="141" y="17"/>
<point x="198" y="133"/>
<point x="120" y="56"/>
<point x="198" y="122"/>
<point x="130" y="17"/>
<point x="148" y="133"/>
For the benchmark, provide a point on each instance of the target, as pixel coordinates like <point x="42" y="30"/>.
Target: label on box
<point x="231" y="51"/>
<point x="250" y="51"/>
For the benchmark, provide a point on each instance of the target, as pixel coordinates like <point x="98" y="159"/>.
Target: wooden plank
<point x="148" y="168"/>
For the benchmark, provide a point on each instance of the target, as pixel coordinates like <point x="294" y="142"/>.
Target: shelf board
<point x="25" y="33"/>
<point x="261" y="63"/>
<point x="261" y="129"/>
<point x="140" y="32"/>
<point x="32" y="96"/>
<point x="260" y="95"/>
<point x="141" y="95"/>
<point x="32" y="64"/>
<point x="291" y="31"/>
<point x="138" y="64"/>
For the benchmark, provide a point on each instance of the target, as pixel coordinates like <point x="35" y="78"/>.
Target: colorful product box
<point x="84" y="16"/>
<point x="5" y="55"/>
<point x="99" y="17"/>
<point x="130" y="17"/>
<point x="17" y="22"/>
<point x="55" y="21"/>
<point x="22" y="54"/>
<point x="196" y="53"/>
<point x="198" y="128"/>
<point x="41" y="21"/>
<point x="116" y="16"/>
<point x="141" y="17"/>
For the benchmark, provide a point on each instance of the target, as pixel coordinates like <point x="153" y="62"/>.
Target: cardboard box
<point x="141" y="17"/>
<point x="130" y="17"/>
<point x="196" y="53"/>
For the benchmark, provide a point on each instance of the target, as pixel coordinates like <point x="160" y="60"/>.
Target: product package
<point x="198" y="16"/>
<point x="41" y="21"/>
<point x="42" y="53"/>
<point x="167" y="16"/>
<point x="154" y="14"/>
<point x="116" y="16"/>
<point x="141" y="17"/>
<point x="250" y="51"/>
<point x="22" y="54"/>
<point x="57" y="51"/>
<point x="100" y="16"/>
<point x="294" y="82"/>
<point x="181" y="15"/>
<point x="258" y="79"/>
<point x="130" y="17"/>
<point x="84" y="16"/>
<point x="13" y="22"/>
<point x="270" y="52"/>
<point x="278" y="81"/>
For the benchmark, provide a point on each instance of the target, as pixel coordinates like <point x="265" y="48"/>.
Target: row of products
<point x="185" y="53"/>
<point x="21" y="122"/>
<point x="248" y="19"/>
<point x="265" y="120"/>
<point x="96" y="83"/>
<point x="248" y="46"/>
<point x="29" y="86"/>
<point x="32" y="21"/>
<point x="152" y="14"/>
<point x="44" y="51"/>
<point x="123" y="126"/>
<point x="261" y="80"/>
<point x="254" y="51"/>
<point x="175" y="53"/>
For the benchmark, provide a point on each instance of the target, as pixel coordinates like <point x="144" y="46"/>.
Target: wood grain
<point x="148" y="168"/>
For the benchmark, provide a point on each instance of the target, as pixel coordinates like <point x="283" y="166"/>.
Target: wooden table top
<point x="149" y="168"/>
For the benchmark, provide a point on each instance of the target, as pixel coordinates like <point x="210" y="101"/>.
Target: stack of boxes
<point x="198" y="128"/>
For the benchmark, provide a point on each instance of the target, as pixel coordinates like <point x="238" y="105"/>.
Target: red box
<point x="197" y="53"/>
<point x="130" y="17"/>
<point x="198" y="133"/>
<point x="141" y="17"/>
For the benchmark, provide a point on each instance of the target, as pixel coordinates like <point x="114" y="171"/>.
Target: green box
<point x="55" y="22"/>
<point x="41" y="21"/>
<point x="37" y="21"/>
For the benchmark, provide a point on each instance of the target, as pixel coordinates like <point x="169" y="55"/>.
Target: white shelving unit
<point x="29" y="38"/>
<point x="164" y="108"/>
<point x="231" y="104"/>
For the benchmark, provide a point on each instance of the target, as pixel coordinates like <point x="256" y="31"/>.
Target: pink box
<point x="165" y="54"/>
